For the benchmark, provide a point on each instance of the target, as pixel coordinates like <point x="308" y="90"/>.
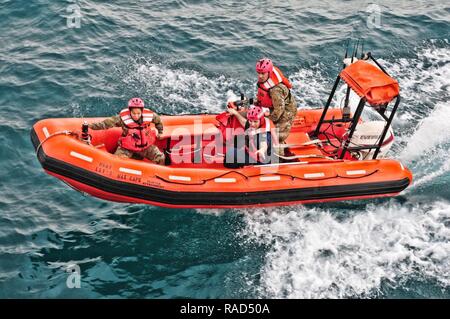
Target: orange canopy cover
<point x="370" y="82"/>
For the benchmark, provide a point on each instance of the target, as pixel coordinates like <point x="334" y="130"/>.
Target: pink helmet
<point x="136" y="102"/>
<point x="255" y="113"/>
<point x="264" y="65"/>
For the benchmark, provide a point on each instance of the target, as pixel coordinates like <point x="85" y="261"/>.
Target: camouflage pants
<point x="152" y="153"/>
<point x="284" y="125"/>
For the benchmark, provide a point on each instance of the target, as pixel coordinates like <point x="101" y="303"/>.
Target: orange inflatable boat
<point x="333" y="155"/>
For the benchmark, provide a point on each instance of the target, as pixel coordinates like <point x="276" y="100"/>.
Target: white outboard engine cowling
<point x="368" y="134"/>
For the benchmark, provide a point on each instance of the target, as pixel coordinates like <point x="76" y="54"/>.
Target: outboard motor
<point x="368" y="134"/>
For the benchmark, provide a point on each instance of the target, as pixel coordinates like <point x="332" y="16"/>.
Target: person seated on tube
<point x="137" y="136"/>
<point x="255" y="145"/>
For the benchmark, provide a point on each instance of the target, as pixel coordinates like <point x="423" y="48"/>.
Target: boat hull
<point x="103" y="175"/>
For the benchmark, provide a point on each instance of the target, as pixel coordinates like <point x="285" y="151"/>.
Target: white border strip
<point x="81" y="156"/>
<point x="314" y="175"/>
<point x="277" y="75"/>
<point x="180" y="178"/>
<point x="130" y="171"/>
<point x="225" y="180"/>
<point x="269" y="178"/>
<point x="356" y="172"/>
<point x="45" y="130"/>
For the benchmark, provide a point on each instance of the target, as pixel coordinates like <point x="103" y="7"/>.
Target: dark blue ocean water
<point x="189" y="56"/>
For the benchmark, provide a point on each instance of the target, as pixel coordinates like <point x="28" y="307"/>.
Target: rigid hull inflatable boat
<point x="333" y="155"/>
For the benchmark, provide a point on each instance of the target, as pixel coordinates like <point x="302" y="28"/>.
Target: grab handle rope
<point x="302" y="156"/>
<point x="65" y="132"/>
<point x="309" y="143"/>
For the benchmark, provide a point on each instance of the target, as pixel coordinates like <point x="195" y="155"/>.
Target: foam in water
<point x="432" y="131"/>
<point x="427" y="151"/>
<point x="178" y="89"/>
<point x="313" y="254"/>
<point x="426" y="83"/>
<point x="429" y="175"/>
<point x="310" y="87"/>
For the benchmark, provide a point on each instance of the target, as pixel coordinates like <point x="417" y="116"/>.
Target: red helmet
<point x="136" y="102"/>
<point x="255" y="113"/>
<point x="264" y="65"/>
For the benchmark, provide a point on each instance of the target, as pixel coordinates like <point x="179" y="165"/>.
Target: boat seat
<point x="299" y="138"/>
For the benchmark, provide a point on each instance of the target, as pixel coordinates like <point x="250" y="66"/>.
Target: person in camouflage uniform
<point x="125" y="120"/>
<point x="284" y="110"/>
<point x="274" y="93"/>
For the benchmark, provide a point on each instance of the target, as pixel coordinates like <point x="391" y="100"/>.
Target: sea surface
<point x="84" y="58"/>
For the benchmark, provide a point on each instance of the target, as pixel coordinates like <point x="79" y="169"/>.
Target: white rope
<point x="302" y="156"/>
<point x="66" y="132"/>
<point x="184" y="152"/>
<point x="317" y="141"/>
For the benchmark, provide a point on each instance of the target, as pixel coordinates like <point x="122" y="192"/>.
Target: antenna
<point x="346" y="48"/>
<point x="346" y="52"/>
<point x="362" y="49"/>
<point x="354" y="50"/>
<point x="357" y="47"/>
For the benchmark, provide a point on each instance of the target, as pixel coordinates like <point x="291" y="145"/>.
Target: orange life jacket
<point x="275" y="77"/>
<point x="139" y="136"/>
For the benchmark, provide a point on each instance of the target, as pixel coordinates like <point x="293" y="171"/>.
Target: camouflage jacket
<point x="282" y="102"/>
